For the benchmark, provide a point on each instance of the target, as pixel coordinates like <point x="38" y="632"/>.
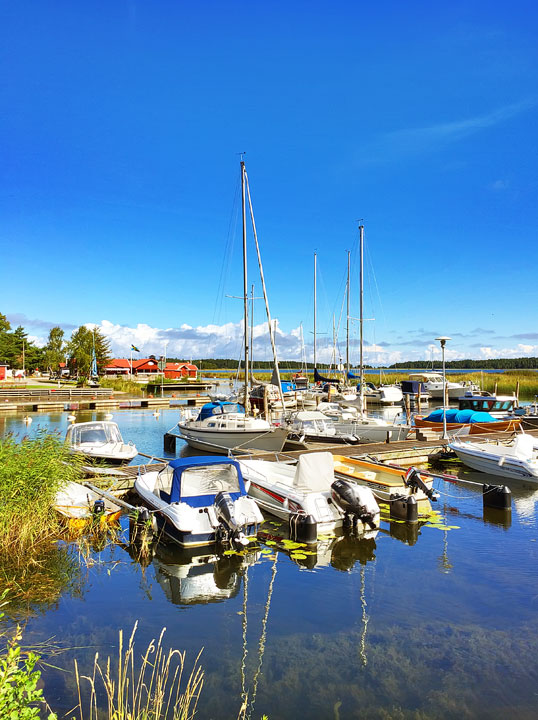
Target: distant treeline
<point x="231" y="364"/>
<point x="521" y="363"/>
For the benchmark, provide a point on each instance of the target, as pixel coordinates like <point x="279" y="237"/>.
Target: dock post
<point x="169" y="443"/>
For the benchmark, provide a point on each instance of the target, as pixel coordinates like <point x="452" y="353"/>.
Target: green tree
<point x="80" y="350"/>
<point x="54" y="349"/>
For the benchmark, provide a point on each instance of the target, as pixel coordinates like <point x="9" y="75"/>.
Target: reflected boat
<point x="194" y="577"/>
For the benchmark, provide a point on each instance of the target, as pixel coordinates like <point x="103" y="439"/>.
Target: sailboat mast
<point x="361" y="316"/>
<point x="262" y="278"/>
<point x="245" y="281"/>
<point x="315" y="304"/>
<point x="347" y="316"/>
<point x="252" y="332"/>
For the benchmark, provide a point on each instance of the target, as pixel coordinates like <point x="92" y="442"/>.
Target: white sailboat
<point x="222" y="426"/>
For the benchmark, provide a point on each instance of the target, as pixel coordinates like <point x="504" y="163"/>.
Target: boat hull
<point x="473" y="428"/>
<point x="489" y="463"/>
<point x="221" y="441"/>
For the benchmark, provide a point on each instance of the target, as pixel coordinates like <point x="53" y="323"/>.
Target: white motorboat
<point x="517" y="460"/>
<point x="371" y="430"/>
<point x="200" y="500"/>
<point x="221" y="426"/>
<point x="310" y="489"/>
<point x="100" y="440"/>
<point x="314" y="426"/>
<point x="434" y="383"/>
<point x="335" y="411"/>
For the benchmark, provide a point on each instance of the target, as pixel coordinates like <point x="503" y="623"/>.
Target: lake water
<point x="415" y="623"/>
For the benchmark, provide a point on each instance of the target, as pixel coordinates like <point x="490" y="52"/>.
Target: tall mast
<point x="361" y="316"/>
<point x="245" y="281"/>
<point x="315" y="308"/>
<point x="251" y="331"/>
<point x="347" y="316"/>
<point x="262" y="278"/>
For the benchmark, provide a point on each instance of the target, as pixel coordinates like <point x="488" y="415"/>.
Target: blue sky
<point x="121" y="125"/>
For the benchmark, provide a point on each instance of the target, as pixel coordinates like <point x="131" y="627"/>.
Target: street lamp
<point x="442" y="341"/>
<point x="163" y="368"/>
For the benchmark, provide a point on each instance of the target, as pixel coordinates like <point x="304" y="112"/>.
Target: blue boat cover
<point x="218" y="408"/>
<point x="186" y="463"/>
<point x="460" y="416"/>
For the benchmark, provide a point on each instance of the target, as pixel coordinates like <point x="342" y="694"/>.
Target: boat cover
<point x="523" y="447"/>
<point x="180" y="465"/>
<point x="219" y="408"/>
<point x="320" y="378"/>
<point x="460" y="416"/>
<point x="315" y="472"/>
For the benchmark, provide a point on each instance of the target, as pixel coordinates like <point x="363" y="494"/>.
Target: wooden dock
<point x="404" y="452"/>
<point x="69" y="402"/>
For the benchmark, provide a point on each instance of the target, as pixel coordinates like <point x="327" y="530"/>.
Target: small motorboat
<point x="385" y="481"/>
<point x="78" y="502"/>
<point x="311" y="489"/>
<point x="517" y="460"/>
<point x="101" y="441"/>
<point x="200" y="500"/>
<point x="314" y="426"/>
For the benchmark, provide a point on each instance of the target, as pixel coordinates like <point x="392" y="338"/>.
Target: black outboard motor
<point x="98" y="507"/>
<point x="357" y="502"/>
<point x="229" y="529"/>
<point x="413" y="480"/>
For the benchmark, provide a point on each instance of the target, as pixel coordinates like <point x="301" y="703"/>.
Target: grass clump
<point x="125" y="385"/>
<point x="31" y="473"/>
<point x="149" y="689"/>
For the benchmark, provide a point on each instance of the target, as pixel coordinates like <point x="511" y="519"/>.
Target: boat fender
<point x="303" y="528"/>
<point x="497" y="496"/>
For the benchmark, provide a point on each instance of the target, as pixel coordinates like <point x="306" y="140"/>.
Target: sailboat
<point x="223" y="426"/>
<point x="367" y="429"/>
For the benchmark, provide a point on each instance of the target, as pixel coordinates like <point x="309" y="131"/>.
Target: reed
<point x="31" y="472"/>
<point x="122" y="385"/>
<point x="122" y="689"/>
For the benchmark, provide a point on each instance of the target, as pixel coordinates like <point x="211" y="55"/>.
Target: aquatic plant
<point x="125" y="385"/>
<point x="31" y="472"/>
<point x="150" y="691"/>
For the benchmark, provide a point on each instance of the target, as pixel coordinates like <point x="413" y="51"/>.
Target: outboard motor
<point x="98" y="507"/>
<point x="229" y="529"/>
<point x="357" y="502"/>
<point x="413" y="480"/>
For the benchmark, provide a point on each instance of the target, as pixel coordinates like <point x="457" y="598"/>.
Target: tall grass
<point x="151" y="690"/>
<point x="125" y="385"/>
<point x="31" y="473"/>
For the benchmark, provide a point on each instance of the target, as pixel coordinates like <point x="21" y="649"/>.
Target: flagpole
<point x="131" y="362"/>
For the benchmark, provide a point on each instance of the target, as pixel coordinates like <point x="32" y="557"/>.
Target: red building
<point x="3" y="371"/>
<point x="180" y="370"/>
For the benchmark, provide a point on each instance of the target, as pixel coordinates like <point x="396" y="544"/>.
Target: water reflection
<point x="190" y="577"/>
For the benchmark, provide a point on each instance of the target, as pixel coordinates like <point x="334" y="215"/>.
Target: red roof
<point x="119" y="363"/>
<point x="179" y="366"/>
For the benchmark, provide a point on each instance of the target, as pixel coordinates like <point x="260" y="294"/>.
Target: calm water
<point x="431" y="623"/>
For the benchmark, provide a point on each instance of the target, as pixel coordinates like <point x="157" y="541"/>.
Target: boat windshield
<point x="201" y="480"/>
<point x="209" y="480"/>
<point x="95" y="433"/>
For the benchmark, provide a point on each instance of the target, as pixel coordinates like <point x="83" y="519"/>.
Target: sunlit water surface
<point x="416" y="623"/>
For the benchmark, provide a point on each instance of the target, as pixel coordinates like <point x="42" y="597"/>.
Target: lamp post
<point x="442" y="341"/>
<point x="163" y="368"/>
